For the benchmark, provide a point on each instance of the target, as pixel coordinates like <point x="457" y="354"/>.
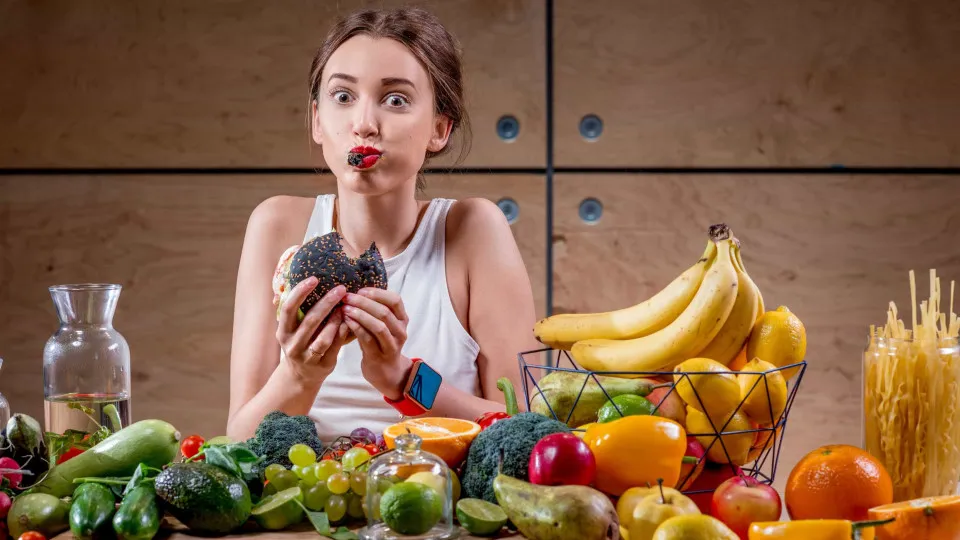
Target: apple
<point x="562" y="459"/>
<point x="697" y="451"/>
<point x="653" y="510"/>
<point x="712" y="476"/>
<point x="668" y="402"/>
<point x="742" y="500"/>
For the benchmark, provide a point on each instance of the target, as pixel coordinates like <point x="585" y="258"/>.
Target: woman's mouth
<point x="363" y="157"/>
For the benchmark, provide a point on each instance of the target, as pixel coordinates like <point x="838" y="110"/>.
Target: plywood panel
<point x="173" y="242"/>
<point x="197" y="84"/>
<point x="834" y="250"/>
<point x="753" y="82"/>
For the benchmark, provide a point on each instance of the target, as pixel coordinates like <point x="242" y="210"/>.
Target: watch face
<point x="425" y="385"/>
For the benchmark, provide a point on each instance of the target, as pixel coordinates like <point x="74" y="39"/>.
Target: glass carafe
<point x="86" y="362"/>
<point x="4" y="406"/>
<point x="409" y="495"/>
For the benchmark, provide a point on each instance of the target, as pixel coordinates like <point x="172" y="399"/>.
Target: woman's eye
<point x="396" y="101"/>
<point x="341" y="97"/>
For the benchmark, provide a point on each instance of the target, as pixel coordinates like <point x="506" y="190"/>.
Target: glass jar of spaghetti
<point x="911" y="399"/>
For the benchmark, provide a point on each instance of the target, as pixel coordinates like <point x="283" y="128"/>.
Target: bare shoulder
<point x="476" y="219"/>
<point x="280" y="216"/>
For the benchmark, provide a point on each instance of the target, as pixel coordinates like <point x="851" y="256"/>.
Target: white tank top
<point x="346" y="400"/>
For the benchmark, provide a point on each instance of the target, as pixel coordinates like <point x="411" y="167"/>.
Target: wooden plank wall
<point x="677" y="85"/>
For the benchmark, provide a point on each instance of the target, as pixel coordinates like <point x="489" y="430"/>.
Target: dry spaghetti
<point x="911" y="400"/>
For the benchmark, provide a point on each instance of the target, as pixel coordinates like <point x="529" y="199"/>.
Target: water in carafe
<point x="86" y="362"/>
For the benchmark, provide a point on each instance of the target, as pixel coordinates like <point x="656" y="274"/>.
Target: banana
<point x="563" y="330"/>
<point x="760" y="309"/>
<point x="680" y="340"/>
<point x="726" y="345"/>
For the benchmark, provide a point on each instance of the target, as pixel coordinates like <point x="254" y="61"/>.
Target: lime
<point x="480" y="517"/>
<point x="628" y="404"/>
<point x="280" y="510"/>
<point x="411" y="507"/>
<point x="220" y="440"/>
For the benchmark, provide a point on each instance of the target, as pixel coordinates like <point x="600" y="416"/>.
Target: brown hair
<point x="425" y="36"/>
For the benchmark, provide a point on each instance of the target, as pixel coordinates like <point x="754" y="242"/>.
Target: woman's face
<point x="375" y="97"/>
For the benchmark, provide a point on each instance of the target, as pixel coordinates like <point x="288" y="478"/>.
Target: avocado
<point x="204" y="497"/>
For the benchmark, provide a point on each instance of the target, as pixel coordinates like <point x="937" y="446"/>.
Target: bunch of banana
<point x="708" y="311"/>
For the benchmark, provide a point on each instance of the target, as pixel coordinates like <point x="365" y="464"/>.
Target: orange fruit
<point x="837" y="481"/>
<point x="447" y="438"/>
<point x="740" y="360"/>
<point x="928" y="518"/>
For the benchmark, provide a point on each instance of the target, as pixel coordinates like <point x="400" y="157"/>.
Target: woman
<point x="386" y="84"/>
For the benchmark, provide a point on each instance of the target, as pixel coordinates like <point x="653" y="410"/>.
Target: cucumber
<point x="138" y="517"/>
<point x="153" y="442"/>
<point x="92" y="511"/>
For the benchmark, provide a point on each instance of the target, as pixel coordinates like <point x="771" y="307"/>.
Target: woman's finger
<point x="288" y="311"/>
<point x="387" y="298"/>
<point x="315" y="317"/>
<point x="375" y="327"/>
<point x="365" y="338"/>
<point x="379" y="312"/>
<point x="324" y="341"/>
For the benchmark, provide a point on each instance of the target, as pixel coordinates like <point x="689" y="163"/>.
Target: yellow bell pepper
<point x="636" y="451"/>
<point x="810" y="529"/>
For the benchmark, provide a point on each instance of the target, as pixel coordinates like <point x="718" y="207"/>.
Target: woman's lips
<point x="363" y="157"/>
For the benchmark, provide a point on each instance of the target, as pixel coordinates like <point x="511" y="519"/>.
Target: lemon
<point x="480" y="517"/>
<point x="699" y="526"/>
<point x="628" y="404"/>
<point x="280" y="510"/>
<point x="707" y="386"/>
<point x="764" y="396"/>
<point x="411" y="508"/>
<point x="437" y="482"/>
<point x="778" y="337"/>
<point x="735" y="447"/>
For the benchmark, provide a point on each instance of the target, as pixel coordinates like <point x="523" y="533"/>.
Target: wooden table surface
<point x="171" y="529"/>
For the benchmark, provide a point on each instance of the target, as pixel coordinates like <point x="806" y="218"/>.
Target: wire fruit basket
<point x="604" y="386"/>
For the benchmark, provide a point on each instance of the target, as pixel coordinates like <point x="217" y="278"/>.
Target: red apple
<point x="694" y="450"/>
<point x="562" y="459"/>
<point x="712" y="476"/>
<point x="742" y="500"/>
<point x="668" y="402"/>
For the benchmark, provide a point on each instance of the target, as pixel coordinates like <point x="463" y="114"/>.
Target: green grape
<point x="301" y="454"/>
<point x="338" y="483"/>
<point x="272" y="470"/>
<point x="335" y="508"/>
<point x="358" y="482"/>
<point x="354" y="457"/>
<point x="316" y="497"/>
<point x="326" y="468"/>
<point x="285" y="480"/>
<point x="269" y="489"/>
<point x="298" y="470"/>
<point x="309" y="475"/>
<point x="355" y="506"/>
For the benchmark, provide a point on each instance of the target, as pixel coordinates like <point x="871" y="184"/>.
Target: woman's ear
<point x="441" y="133"/>
<point x="315" y="123"/>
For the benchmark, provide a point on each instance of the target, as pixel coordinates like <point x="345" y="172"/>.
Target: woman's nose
<point x="365" y="122"/>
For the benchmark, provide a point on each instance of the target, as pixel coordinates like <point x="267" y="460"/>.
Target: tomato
<point x="191" y="445"/>
<point x="371" y="449"/>
<point x="32" y="535"/>
<point x="72" y="452"/>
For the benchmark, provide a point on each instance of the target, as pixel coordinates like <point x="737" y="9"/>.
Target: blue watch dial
<point x="425" y="385"/>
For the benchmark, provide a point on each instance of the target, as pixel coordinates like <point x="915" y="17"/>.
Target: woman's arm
<point x="259" y="382"/>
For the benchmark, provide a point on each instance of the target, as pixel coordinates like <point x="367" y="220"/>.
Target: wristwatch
<point x="420" y="390"/>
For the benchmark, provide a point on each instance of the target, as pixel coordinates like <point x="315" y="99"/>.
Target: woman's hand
<point x="379" y="321"/>
<point x="311" y="350"/>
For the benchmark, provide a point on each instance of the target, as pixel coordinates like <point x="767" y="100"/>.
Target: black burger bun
<point x="323" y="257"/>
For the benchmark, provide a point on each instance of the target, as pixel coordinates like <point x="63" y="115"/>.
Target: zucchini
<point x="138" y="517"/>
<point x="92" y="511"/>
<point x="152" y="442"/>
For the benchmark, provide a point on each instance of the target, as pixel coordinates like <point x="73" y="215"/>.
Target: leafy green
<point x="58" y="444"/>
<point x="144" y="474"/>
<point x="321" y="523"/>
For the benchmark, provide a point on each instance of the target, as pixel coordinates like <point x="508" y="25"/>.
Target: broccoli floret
<point x="516" y="436"/>
<point x="279" y="431"/>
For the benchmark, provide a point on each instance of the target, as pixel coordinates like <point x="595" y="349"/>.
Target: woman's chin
<point x="368" y="182"/>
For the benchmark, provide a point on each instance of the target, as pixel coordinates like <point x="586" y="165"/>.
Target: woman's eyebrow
<point x="344" y="76"/>
<point x="392" y="81"/>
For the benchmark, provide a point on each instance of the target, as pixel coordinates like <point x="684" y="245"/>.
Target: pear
<point x="557" y="512"/>
<point x="559" y="391"/>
